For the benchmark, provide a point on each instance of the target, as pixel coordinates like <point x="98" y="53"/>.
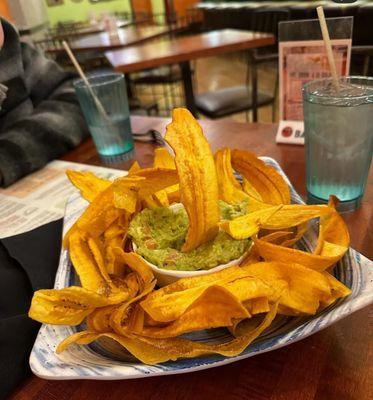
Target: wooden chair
<point x="52" y="47"/>
<point x="169" y="77"/>
<point x="365" y="53"/>
<point x="225" y="102"/>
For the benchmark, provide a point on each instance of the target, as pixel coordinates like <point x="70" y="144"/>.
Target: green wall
<point x="158" y="8"/>
<point x="71" y="11"/>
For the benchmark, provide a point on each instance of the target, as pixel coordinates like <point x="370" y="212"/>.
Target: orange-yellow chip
<point x="85" y="265"/>
<point x="100" y="214"/>
<point x="197" y="175"/>
<point x="69" y="306"/>
<point x="89" y="184"/>
<point x="273" y="218"/>
<point x="154" y="351"/>
<point x="163" y="159"/>
<point x="216" y="307"/>
<point x="266" y="181"/>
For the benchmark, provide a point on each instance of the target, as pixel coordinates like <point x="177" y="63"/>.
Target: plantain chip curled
<point x="89" y="184"/>
<point x="100" y="214"/>
<point x="230" y="189"/>
<point x="85" y="264"/>
<point x="197" y="176"/>
<point x="163" y="159"/>
<point x="141" y="184"/>
<point x="216" y="307"/>
<point x="264" y="179"/>
<point x="69" y="306"/>
<point x="154" y="351"/>
<point x="273" y="218"/>
<point x="332" y="244"/>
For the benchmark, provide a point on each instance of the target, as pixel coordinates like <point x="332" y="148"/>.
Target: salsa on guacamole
<point x="160" y="233"/>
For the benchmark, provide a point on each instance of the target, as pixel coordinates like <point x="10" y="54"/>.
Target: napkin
<point x="28" y="262"/>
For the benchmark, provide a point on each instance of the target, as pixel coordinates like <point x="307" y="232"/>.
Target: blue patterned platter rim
<point x="97" y="362"/>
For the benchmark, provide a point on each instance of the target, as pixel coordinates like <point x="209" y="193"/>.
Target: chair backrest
<point x="49" y="46"/>
<point x="363" y="23"/>
<point x="267" y="19"/>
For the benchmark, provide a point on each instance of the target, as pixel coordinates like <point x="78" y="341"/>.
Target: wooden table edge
<point x="202" y="53"/>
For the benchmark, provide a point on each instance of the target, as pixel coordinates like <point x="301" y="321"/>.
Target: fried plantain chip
<point x="258" y="305"/>
<point x="338" y="290"/>
<point x="171" y="302"/>
<point x="155" y="179"/>
<point x="272" y="252"/>
<point x="100" y="214"/>
<point x="197" y="175"/>
<point x="158" y="199"/>
<point x="230" y="190"/>
<point x="333" y="243"/>
<point x="99" y="319"/>
<point x="85" y="265"/>
<point x="161" y="198"/>
<point x="135" y="167"/>
<point x="305" y="291"/>
<point x="137" y="264"/>
<point x="332" y="231"/>
<point x="121" y="318"/>
<point x="250" y="190"/>
<point x="183" y="293"/>
<point x="115" y="236"/>
<point x="273" y="218"/>
<point x="97" y="249"/>
<point x="300" y="231"/>
<point x="163" y="159"/>
<point x="66" y="238"/>
<point x="68" y="306"/>
<point x="249" y="224"/>
<point x="140" y="185"/>
<point x="89" y="184"/>
<point x="125" y="196"/>
<point x="277" y="237"/>
<point x="137" y="319"/>
<point x="153" y="351"/>
<point x="216" y="307"/>
<point x="266" y="181"/>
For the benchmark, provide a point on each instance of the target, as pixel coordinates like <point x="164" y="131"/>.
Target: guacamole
<point x="160" y="233"/>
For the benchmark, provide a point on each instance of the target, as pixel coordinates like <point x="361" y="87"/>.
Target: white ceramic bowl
<point x="165" y="276"/>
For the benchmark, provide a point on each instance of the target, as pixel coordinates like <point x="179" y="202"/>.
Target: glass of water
<point x="109" y="121"/>
<point x="338" y="139"/>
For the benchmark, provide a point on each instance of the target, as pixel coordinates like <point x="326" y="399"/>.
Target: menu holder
<point x="303" y="58"/>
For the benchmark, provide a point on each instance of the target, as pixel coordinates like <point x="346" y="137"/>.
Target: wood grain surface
<point x="334" y="364"/>
<point x="186" y="48"/>
<point x="92" y="28"/>
<point x="128" y="36"/>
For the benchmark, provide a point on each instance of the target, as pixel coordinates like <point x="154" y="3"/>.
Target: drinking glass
<point x="338" y="139"/>
<point x="109" y="125"/>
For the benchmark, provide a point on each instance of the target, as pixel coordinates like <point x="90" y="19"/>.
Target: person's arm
<point x="55" y="126"/>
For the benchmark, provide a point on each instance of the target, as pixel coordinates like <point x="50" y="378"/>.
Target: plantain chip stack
<point x="118" y="298"/>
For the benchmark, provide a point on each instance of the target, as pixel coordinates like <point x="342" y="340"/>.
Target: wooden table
<point x="100" y="27"/>
<point x="334" y="364"/>
<point x="129" y="36"/>
<point x="184" y="49"/>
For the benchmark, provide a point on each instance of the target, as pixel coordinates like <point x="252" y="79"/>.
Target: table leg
<point x="188" y="87"/>
<point x="128" y="86"/>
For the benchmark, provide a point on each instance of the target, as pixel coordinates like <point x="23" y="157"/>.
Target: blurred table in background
<point x="126" y="37"/>
<point x="332" y="364"/>
<point x="184" y="49"/>
<point x="241" y="15"/>
<point x="97" y="27"/>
